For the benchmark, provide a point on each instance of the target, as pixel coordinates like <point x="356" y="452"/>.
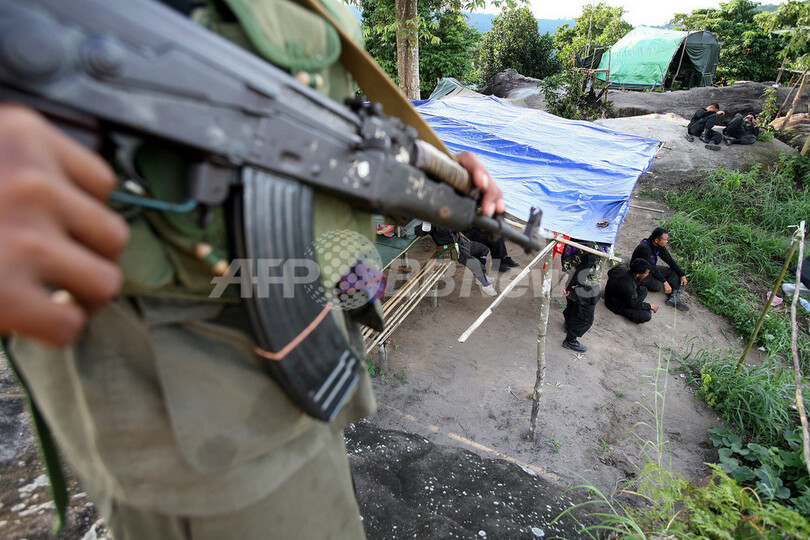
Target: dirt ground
<point x="595" y="407"/>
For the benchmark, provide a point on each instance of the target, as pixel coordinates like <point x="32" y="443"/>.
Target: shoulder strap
<point x="375" y="82"/>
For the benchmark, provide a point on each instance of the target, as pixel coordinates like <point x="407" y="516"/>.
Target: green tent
<point x="654" y="58"/>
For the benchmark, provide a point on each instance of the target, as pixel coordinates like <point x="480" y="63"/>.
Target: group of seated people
<point x="740" y="130"/>
<point x="625" y="292"/>
<point x="626" y="289"/>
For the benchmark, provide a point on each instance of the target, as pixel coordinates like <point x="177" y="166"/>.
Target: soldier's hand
<point x="492" y="200"/>
<point x="55" y="231"/>
<point x="667" y="288"/>
<point x="684" y="281"/>
<point x="654" y="307"/>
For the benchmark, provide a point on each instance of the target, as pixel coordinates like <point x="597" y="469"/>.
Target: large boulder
<point x="741" y="97"/>
<point x="408" y="487"/>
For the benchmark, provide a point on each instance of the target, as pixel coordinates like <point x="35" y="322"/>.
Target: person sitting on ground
<point x="471" y="254"/>
<point x="668" y="278"/>
<point x="624" y="294"/>
<point x="702" y="123"/>
<point x="582" y="292"/>
<point x="742" y="129"/>
<point x="497" y="249"/>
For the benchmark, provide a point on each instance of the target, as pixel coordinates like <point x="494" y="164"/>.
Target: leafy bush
<point x="770" y="107"/>
<point x="720" y="509"/>
<point x="777" y="473"/>
<point x="565" y="97"/>
<point x="515" y="42"/>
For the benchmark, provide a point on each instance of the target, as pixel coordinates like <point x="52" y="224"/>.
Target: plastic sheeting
<point x="579" y="173"/>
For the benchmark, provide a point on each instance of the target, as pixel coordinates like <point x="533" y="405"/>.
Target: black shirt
<point x="651" y="253"/>
<point x="621" y="290"/>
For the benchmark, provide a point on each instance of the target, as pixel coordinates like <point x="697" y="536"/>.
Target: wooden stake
<point x="781" y="69"/>
<point x="683" y="51"/>
<point x="795" y="101"/>
<point x="793" y="86"/>
<point x="768" y="304"/>
<point x="542" y="330"/>
<point x="797" y="370"/>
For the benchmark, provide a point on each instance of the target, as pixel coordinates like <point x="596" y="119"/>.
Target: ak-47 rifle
<point x="128" y="71"/>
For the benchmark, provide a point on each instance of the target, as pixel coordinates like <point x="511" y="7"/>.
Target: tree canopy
<point x="599" y="26"/>
<point x="446" y="42"/>
<point x="748" y="52"/>
<point x="515" y="42"/>
<point x="792" y="21"/>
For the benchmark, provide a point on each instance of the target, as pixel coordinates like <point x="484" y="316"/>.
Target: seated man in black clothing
<point x="497" y="249"/>
<point x="668" y="278"/>
<point x="624" y="295"/>
<point x="582" y="292"/>
<point x="471" y="254"/>
<point x="742" y="130"/>
<point x="702" y="123"/>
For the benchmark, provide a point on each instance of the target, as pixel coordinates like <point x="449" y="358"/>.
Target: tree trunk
<point x="408" y="48"/>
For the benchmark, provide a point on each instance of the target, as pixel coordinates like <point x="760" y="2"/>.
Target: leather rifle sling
<point x="375" y="82"/>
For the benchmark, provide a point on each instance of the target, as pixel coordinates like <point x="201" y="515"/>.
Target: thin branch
<point x="797" y="370"/>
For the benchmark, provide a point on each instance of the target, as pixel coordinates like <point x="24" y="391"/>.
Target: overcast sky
<point x="636" y="12"/>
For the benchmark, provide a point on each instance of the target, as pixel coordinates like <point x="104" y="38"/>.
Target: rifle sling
<point x="375" y="82"/>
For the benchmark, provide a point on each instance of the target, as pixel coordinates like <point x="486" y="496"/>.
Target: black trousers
<point x="636" y="315"/>
<point x="706" y="127"/>
<point x="579" y="313"/>
<point x="497" y="248"/>
<point x="653" y="285"/>
<point x="473" y="255"/>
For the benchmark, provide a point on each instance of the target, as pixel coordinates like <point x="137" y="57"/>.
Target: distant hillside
<point x="483" y="22"/>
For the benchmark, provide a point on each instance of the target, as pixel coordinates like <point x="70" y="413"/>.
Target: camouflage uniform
<point x="162" y="408"/>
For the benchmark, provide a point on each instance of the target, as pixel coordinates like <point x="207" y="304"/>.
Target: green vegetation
<point x="598" y="26"/>
<point x="792" y="20"/>
<point x="749" y="51"/>
<point x="753" y="400"/>
<point x="565" y="97"/>
<point x="446" y="43"/>
<point x="734" y="230"/>
<point x="514" y="42"/>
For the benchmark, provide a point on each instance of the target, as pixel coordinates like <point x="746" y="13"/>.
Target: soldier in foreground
<point x="153" y="390"/>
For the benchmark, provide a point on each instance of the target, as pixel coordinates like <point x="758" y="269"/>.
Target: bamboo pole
<point x="558" y="238"/>
<point x="795" y="101"/>
<point x="797" y="370"/>
<point x="504" y="293"/>
<point x="542" y="331"/>
<point x="398" y="317"/>
<point x="793" y="87"/>
<point x="607" y="76"/>
<point x="768" y="304"/>
<point x="806" y="145"/>
<point x="781" y="69"/>
<point x="683" y="52"/>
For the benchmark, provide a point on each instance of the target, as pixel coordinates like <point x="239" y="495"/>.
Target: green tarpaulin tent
<point x="654" y="58"/>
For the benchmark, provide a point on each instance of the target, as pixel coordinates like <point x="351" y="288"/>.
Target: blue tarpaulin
<point x="579" y="173"/>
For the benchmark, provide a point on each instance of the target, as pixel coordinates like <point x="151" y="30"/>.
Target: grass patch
<point x="735" y="230"/>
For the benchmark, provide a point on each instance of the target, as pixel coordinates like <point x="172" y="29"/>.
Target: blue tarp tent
<point x="579" y="173"/>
